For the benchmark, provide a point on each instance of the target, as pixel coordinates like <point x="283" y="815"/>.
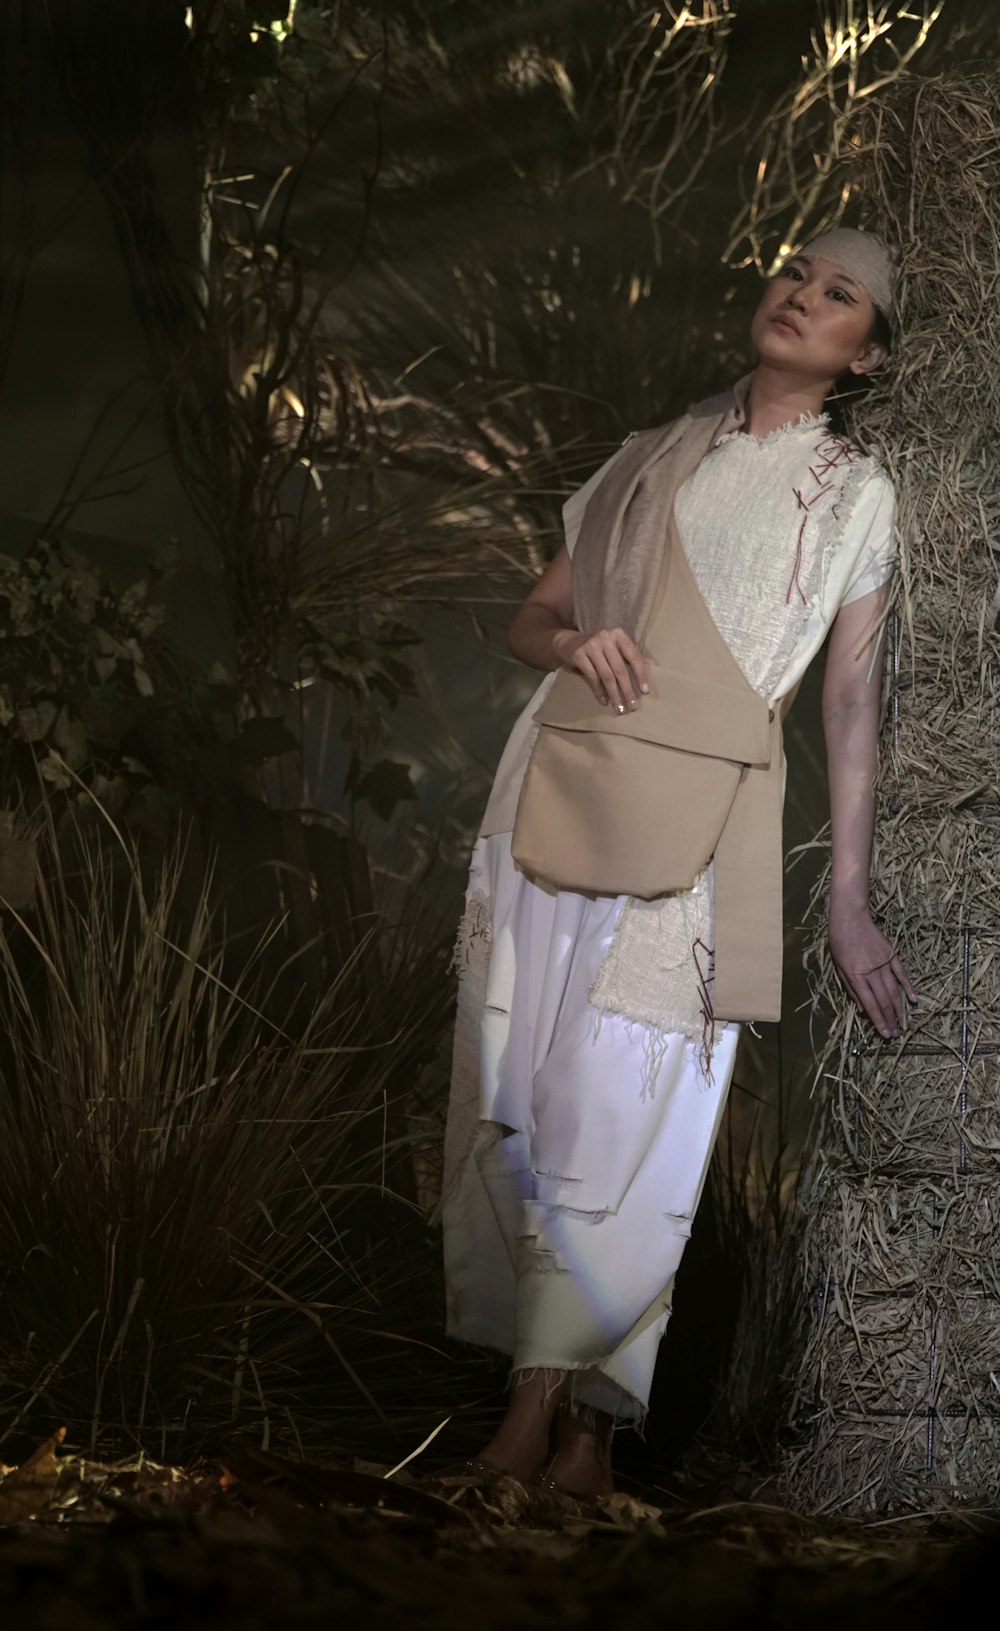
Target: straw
<point x="899" y="1391"/>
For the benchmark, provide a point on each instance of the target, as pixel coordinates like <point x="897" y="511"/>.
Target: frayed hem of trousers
<point x="631" y="1413"/>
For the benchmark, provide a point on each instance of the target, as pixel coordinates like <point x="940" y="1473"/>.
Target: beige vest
<point x="638" y="804"/>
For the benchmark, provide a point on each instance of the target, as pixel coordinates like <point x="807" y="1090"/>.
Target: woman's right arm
<point x="542" y="635"/>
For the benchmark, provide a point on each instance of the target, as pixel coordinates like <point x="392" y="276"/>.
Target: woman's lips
<point x="785" y="323"/>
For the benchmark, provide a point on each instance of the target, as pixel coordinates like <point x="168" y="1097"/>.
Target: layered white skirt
<point x="577" y="1145"/>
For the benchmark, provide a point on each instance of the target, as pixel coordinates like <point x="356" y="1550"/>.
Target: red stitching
<point x="793" y="582"/>
<point x="831" y="453"/>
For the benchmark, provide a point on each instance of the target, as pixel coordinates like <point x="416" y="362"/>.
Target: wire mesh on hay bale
<point x="901" y="1378"/>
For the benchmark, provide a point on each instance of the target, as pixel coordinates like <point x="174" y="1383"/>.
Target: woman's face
<point x="815" y="320"/>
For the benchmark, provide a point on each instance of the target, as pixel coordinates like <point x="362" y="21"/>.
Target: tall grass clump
<point x="204" y="1220"/>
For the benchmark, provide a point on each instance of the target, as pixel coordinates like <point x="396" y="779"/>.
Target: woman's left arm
<point x="865" y="960"/>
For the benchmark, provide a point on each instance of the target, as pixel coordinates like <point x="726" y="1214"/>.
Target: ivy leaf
<point x="394" y="680"/>
<point x="385" y="785"/>
<point x="54" y="772"/>
<point x="71" y="738"/>
<point x="263" y="738"/>
<point x="136" y="766"/>
<point x="108" y="646"/>
<point x="36" y="721"/>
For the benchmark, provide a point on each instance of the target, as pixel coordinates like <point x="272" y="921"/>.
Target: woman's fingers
<point x="868" y="998"/>
<point x="584" y="666"/>
<point x="898" y="997"/>
<point x="612" y="672"/>
<point x="636" y="661"/>
<point x="614" y="656"/>
<point x="613" y="667"/>
<point x="894" y="986"/>
<point x="627" y="665"/>
<point x="904" y="979"/>
<point x="871" y="969"/>
<point x="888" y="1001"/>
<point x="880" y="993"/>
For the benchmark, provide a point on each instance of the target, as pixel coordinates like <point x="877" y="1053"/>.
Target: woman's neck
<point x="775" y="399"/>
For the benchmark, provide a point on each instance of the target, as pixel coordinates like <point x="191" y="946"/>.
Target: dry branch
<point x="805" y="176"/>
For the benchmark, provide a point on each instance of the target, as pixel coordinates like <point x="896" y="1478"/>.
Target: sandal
<point x="548" y="1485"/>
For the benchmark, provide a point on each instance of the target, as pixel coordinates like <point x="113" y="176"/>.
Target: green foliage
<point x="94" y="702"/>
<point x="260" y="60"/>
<point x="386" y="784"/>
<point x="75" y="665"/>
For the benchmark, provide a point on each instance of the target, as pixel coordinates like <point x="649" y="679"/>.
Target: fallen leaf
<point x="32" y="1486"/>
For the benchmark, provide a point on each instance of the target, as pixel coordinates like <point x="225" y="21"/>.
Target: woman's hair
<point x="881" y="331"/>
<point x="850" y="389"/>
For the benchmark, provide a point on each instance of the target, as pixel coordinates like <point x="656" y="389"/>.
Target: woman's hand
<point x="870" y="969"/>
<point x="609" y="661"/>
<point x="541" y="633"/>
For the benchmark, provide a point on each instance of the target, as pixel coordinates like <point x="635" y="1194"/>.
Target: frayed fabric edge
<point x="633" y="1413"/>
<point x="657" y="1036"/>
<point x="474" y="935"/>
<point x="471" y="962"/>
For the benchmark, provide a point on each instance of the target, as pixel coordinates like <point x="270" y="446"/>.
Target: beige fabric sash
<point x="638" y="804"/>
<point x="619" y="552"/>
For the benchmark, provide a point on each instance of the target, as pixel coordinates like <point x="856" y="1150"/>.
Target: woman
<point x="624" y="906"/>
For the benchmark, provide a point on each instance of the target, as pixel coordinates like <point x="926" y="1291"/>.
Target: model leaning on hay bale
<point x="624" y="904"/>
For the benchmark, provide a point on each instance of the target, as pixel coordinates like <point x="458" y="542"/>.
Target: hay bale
<point x="900" y="1386"/>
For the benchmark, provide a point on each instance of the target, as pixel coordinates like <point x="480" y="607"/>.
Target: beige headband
<point x="861" y="255"/>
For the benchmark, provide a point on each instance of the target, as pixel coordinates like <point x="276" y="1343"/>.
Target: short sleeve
<point x="875" y="516"/>
<point x="572" y="510"/>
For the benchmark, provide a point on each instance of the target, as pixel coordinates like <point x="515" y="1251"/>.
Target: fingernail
<point x="633" y="703"/>
<point x="620" y="707"/>
<point x="602" y="700"/>
<point x="644" y="689"/>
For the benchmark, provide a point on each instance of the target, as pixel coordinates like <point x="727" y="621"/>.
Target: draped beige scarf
<point x="619" y="552"/>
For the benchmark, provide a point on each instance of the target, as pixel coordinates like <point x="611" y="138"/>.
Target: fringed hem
<point x="855" y="467"/>
<point x="659" y="972"/>
<point x="805" y="421"/>
<point x="624" y="1408"/>
<point x="474" y="936"/>
<point x="471" y="960"/>
<point x="656" y="1039"/>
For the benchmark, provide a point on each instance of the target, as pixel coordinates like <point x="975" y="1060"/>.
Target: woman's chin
<point x="772" y="337"/>
<point x="780" y="348"/>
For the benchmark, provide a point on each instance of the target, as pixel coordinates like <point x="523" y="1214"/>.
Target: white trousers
<point x="577" y="1146"/>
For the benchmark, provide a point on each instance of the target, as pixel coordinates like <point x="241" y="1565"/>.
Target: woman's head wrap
<point x="862" y="255"/>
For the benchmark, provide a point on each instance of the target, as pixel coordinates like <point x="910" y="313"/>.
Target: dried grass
<point x="203" y="1227"/>
<point x="900" y="1384"/>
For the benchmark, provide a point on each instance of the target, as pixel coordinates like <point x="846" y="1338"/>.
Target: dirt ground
<point x="259" y="1541"/>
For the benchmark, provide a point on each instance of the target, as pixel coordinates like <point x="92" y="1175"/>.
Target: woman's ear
<point x="874" y="356"/>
